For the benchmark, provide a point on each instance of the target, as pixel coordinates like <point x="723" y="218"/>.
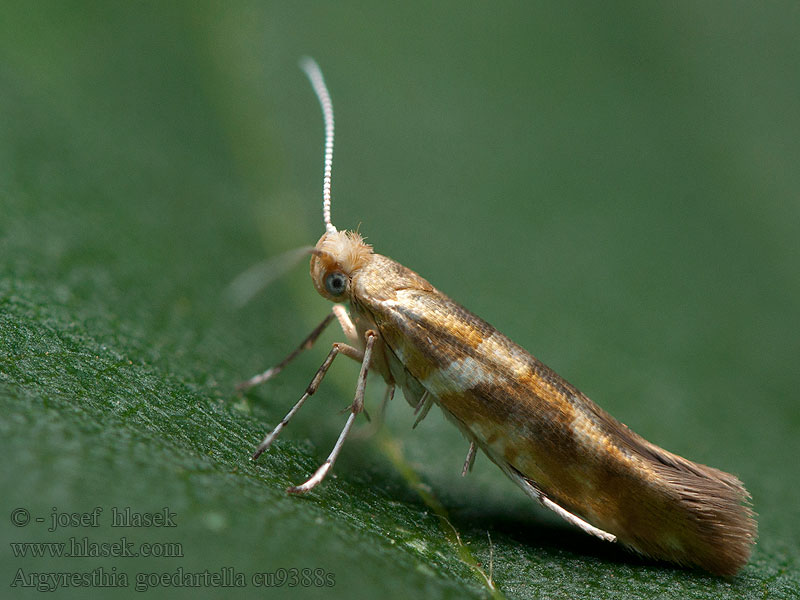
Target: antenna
<point x="312" y="70"/>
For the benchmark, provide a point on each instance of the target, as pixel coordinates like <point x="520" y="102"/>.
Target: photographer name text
<point x="117" y="517"/>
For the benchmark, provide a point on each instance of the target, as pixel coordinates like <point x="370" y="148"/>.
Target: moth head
<point x="335" y="260"/>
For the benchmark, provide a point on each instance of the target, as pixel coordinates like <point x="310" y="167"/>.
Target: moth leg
<point x="576" y="520"/>
<point x="346" y="323"/>
<point x="356" y="407"/>
<point x="530" y="488"/>
<point x="470" y="460"/>
<point x="304" y="345"/>
<point x="387" y="397"/>
<point x="423" y="407"/>
<point x="378" y="422"/>
<point x="312" y="387"/>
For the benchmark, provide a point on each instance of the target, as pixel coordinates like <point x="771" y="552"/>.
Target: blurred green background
<point x="616" y="187"/>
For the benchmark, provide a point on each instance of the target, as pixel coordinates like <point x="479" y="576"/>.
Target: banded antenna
<point x="312" y="70"/>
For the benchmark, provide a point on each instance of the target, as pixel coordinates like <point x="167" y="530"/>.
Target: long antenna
<point x="310" y="66"/>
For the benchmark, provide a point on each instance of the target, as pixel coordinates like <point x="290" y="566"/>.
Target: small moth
<point x="551" y="440"/>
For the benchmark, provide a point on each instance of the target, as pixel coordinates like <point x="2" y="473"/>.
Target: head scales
<point x="314" y="74"/>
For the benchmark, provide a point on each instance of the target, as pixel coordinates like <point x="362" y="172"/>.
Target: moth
<point x="563" y="450"/>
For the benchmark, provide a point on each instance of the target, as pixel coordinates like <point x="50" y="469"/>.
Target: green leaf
<point x="615" y="189"/>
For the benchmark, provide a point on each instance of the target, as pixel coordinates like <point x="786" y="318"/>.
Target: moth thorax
<point x="336" y="258"/>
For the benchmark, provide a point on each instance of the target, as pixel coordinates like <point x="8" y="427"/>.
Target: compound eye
<point x="336" y="283"/>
